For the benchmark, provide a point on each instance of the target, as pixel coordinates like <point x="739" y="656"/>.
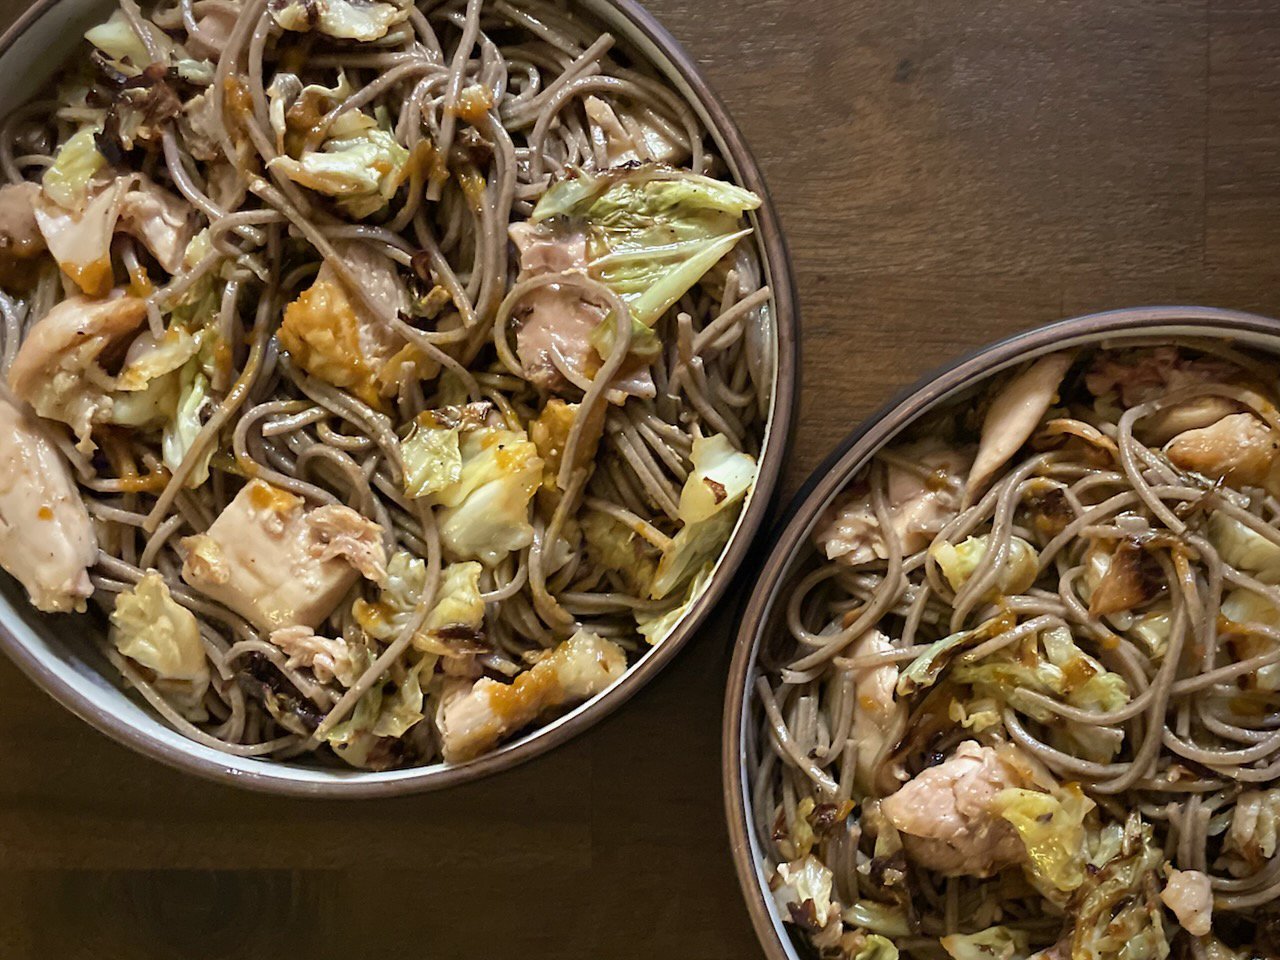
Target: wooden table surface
<point x="948" y="172"/>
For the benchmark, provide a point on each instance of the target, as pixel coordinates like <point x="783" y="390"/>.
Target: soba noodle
<point x="350" y="471"/>
<point x="1023" y="700"/>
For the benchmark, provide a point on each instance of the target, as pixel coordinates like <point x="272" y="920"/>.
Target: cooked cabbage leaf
<point x="1117" y="909"/>
<point x="958" y="562"/>
<point x="432" y="457"/>
<point x="1052" y="664"/>
<point x="66" y="181"/>
<point x="181" y="431"/>
<point x="1051" y="826"/>
<point x="1245" y="548"/>
<point x="654" y="230"/>
<point x="484" y="514"/>
<point x="615" y="546"/>
<point x="360" y="164"/>
<point x="875" y="947"/>
<point x="993" y="943"/>
<point x="458" y="610"/>
<point x="1243" y="606"/>
<point x="152" y="629"/>
<point x="657" y="627"/>
<point x="717" y="484"/>
<point x="877" y="917"/>
<point x="802" y="892"/>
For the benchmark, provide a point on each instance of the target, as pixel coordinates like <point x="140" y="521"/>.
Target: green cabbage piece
<point x="1051" y="826"/>
<point x="709" y="501"/>
<point x="360" y="164"/>
<point x="615" y="546"/>
<point x="876" y="947"/>
<point x="802" y="889"/>
<point x="657" y="627"/>
<point x="458" y="603"/>
<point x="66" y="181"/>
<point x="151" y="628"/>
<point x="181" y="432"/>
<point x="381" y="714"/>
<point x="993" y="943"/>
<point x="654" y="231"/>
<point x="959" y="561"/>
<point x="432" y="457"/>
<point x="645" y="344"/>
<point x="1117" y="911"/>
<point x="877" y="917"/>
<point x="1245" y="548"/>
<point x="1052" y="665"/>
<point x="124" y="48"/>
<point x="925" y="669"/>
<point x="1244" y="606"/>
<point x="484" y="514"/>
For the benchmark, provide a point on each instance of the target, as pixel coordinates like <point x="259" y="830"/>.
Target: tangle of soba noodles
<point x="391" y="375"/>
<point x="1024" y="699"/>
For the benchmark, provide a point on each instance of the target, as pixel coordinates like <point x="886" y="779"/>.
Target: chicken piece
<point x="1013" y="415"/>
<point x="945" y="814"/>
<point x="328" y="659"/>
<point x="1189" y="895"/>
<point x="278" y="564"/>
<point x="876" y="712"/>
<point x="46" y="538"/>
<point x="553" y="339"/>
<point x="20" y="236"/>
<point x="161" y="220"/>
<point x="21" y="242"/>
<point x="473" y="721"/>
<point x="1240" y="450"/>
<point x="214" y="22"/>
<point x="332" y="334"/>
<point x="57" y="368"/>
<point x="918" y="506"/>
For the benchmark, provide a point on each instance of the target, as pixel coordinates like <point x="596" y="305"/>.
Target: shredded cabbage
<point x="615" y="546"/>
<point x="802" y="892"/>
<point x="458" y="608"/>
<point x="875" y="947"/>
<point x="654" y="231"/>
<point x="717" y="484"/>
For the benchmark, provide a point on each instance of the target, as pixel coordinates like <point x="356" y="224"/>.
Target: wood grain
<point x="948" y="172"/>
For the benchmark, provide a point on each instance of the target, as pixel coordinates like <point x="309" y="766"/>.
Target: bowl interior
<point x="53" y="649"/>
<point x="792" y="551"/>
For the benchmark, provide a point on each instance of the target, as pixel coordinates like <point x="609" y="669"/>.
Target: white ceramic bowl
<point x="55" y="652"/>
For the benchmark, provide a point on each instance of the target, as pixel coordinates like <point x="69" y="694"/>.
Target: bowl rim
<point x="634" y="24"/>
<point x="788" y="535"/>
